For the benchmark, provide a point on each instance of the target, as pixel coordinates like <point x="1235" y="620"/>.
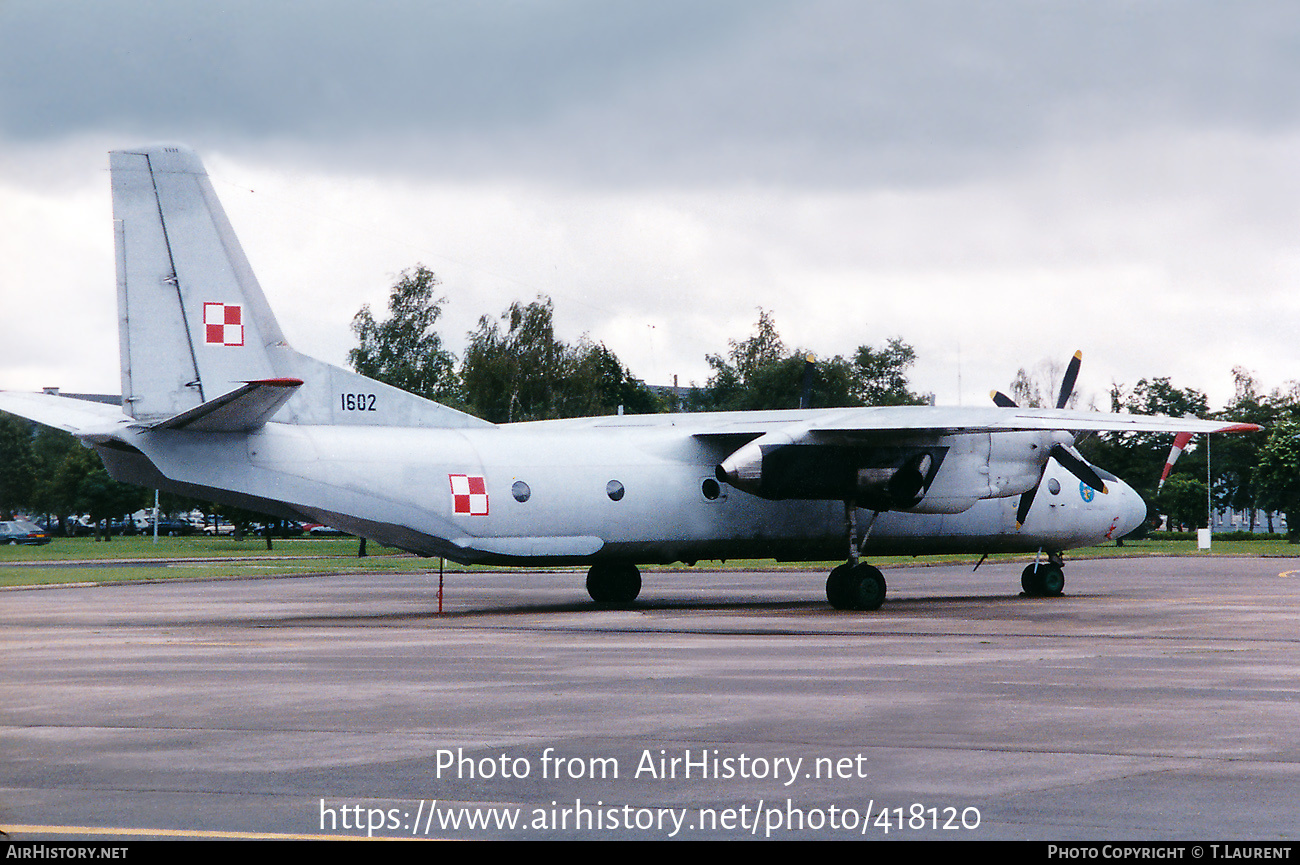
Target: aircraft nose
<point x="1133" y="510"/>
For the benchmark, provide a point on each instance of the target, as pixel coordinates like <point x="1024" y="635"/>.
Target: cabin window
<point x="614" y="490"/>
<point x="521" y="491"/>
<point x="1053" y="486"/>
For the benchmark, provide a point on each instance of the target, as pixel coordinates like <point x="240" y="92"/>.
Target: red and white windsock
<point x="1180" y="442"/>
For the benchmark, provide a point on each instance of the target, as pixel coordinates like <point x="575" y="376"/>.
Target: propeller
<point x="1180" y="441"/>
<point x="1067" y="386"/>
<point x="1067" y="457"/>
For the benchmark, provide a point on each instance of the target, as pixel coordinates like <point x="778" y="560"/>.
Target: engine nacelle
<point x="946" y="474"/>
<point x="879" y="478"/>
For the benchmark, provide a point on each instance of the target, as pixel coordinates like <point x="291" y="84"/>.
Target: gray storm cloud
<point x="821" y="92"/>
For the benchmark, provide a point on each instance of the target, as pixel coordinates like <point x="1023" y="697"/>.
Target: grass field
<point x="82" y="560"/>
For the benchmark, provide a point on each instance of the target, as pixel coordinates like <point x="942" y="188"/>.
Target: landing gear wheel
<point x="614" y="583"/>
<point x="856" y="587"/>
<point x="868" y="588"/>
<point x="1043" y="580"/>
<point x="839" y="588"/>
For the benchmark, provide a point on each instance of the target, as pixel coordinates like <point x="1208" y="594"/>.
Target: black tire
<point x="838" y="588"/>
<point x="868" y="588"/>
<point x="614" y="583"/>
<point x="1052" y="580"/>
<point x="1043" y="580"/>
<point x="1030" y="582"/>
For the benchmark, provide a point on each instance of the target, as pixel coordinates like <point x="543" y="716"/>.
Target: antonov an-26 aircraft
<point x="216" y="405"/>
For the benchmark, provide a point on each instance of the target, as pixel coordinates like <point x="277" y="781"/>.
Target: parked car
<point x="22" y="532"/>
<point x="289" y="529"/>
<point x="172" y="528"/>
<point x="318" y="530"/>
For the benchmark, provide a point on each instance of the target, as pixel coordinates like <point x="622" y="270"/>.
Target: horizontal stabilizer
<point x="79" y="417"/>
<point x="243" y="409"/>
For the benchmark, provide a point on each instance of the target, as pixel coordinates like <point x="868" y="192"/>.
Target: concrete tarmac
<point x="1158" y="700"/>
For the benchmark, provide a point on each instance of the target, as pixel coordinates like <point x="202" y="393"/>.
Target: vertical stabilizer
<point x="195" y="325"/>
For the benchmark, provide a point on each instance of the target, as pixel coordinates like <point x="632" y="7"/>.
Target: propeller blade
<point x="1002" y="400"/>
<point x="1026" y="502"/>
<point x="1180" y="441"/>
<point x="805" y="389"/>
<point x="1074" y="464"/>
<point x="1067" y="383"/>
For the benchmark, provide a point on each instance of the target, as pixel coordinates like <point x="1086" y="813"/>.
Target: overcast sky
<point x="998" y="183"/>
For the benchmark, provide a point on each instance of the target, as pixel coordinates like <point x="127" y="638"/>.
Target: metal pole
<point x="155" y="517"/>
<point x="1209" y="489"/>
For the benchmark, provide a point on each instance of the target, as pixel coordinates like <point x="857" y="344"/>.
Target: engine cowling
<point x="876" y="477"/>
<point x="941" y="474"/>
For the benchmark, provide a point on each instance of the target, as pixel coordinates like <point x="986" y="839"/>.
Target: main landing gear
<point x="1044" y="579"/>
<point x="614" y="582"/>
<point x="855" y="585"/>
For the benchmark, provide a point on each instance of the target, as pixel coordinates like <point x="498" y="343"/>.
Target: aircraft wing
<point x="893" y="420"/>
<point x="890" y="458"/>
<point x="959" y="420"/>
<point x="89" y="420"/>
<point x="1107" y="422"/>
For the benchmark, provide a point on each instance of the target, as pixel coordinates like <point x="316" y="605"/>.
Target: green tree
<point x="17" y="465"/>
<point x="764" y="347"/>
<point x="758" y="373"/>
<point x="83" y="480"/>
<point x="516" y="369"/>
<point x="513" y="365"/>
<point x="732" y="385"/>
<point x="1277" y="476"/>
<point x="52" y="448"/>
<point x="1235" y="457"/>
<point x="405" y="350"/>
<point x="599" y="384"/>
<point x="880" y="374"/>
<point x="1184" y="501"/>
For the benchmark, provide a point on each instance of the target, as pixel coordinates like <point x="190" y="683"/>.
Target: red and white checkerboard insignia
<point x="223" y="324"/>
<point x="469" y="495"/>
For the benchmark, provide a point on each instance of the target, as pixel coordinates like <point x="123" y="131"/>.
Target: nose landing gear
<point x="1044" y="579"/>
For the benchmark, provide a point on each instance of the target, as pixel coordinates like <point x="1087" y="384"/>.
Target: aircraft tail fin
<point x="195" y="325"/>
